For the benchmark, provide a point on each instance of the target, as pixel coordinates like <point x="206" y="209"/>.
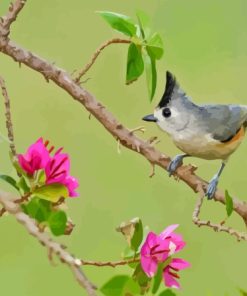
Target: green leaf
<point x="40" y="177"/>
<point x="119" y="22"/>
<point x="242" y="292"/>
<point x="142" y="279"/>
<point x="38" y="209"/>
<point x="137" y="235"/>
<point x="52" y="192"/>
<point x="57" y="222"/>
<point x="167" y="292"/>
<point x="131" y="288"/>
<point x="10" y="180"/>
<point x="229" y="204"/>
<point x="157" y="278"/>
<point x="135" y="64"/>
<point x="143" y="21"/>
<point x="155" y="46"/>
<point x="22" y="184"/>
<point x="115" y="286"/>
<point x="151" y="75"/>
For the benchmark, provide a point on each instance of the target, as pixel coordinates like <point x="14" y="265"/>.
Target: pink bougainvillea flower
<point x="170" y="272"/>
<point x="153" y="251"/>
<point x="158" y="248"/>
<point x="56" y="167"/>
<point x="36" y="157"/>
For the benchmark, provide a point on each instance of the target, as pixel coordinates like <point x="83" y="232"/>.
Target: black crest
<point x="170" y="84"/>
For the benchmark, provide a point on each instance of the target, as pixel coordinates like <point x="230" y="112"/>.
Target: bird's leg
<point x="176" y="162"/>
<point x="212" y="186"/>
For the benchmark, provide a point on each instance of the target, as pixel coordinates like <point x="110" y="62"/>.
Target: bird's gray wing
<point x="224" y="121"/>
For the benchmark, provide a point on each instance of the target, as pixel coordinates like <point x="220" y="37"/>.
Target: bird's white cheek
<point x="174" y="113"/>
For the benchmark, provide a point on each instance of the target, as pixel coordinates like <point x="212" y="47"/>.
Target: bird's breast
<point x="205" y="146"/>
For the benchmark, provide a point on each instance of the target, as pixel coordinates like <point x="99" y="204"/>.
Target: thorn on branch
<point x="138" y="129"/>
<point x="152" y="173"/>
<point x="84" y="81"/>
<point x="119" y="146"/>
<point x="50" y="256"/>
<point x="153" y="141"/>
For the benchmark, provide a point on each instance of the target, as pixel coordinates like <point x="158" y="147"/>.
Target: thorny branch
<point x="216" y="227"/>
<point x="53" y="247"/>
<point x="97" y="53"/>
<point x="6" y="21"/>
<point x="63" y="80"/>
<point x="9" y="124"/>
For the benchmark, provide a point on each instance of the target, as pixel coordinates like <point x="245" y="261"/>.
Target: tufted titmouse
<point x="204" y="131"/>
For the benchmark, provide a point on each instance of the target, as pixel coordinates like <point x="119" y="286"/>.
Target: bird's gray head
<point x="172" y="113"/>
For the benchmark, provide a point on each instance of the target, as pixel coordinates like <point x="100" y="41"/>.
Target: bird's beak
<point x="149" y="117"/>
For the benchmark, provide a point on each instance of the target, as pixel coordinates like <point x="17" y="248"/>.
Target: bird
<point x="207" y="131"/>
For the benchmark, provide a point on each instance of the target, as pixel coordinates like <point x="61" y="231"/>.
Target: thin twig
<point x="96" y="54"/>
<point x="63" y="80"/>
<point x="52" y="246"/>
<point x="216" y="227"/>
<point x="9" y="124"/>
<point x="110" y="263"/>
<point x="6" y="21"/>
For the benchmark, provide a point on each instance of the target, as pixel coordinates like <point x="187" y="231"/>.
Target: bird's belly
<point x="206" y="147"/>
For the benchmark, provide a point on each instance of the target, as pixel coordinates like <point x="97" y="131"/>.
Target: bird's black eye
<point x="166" y="112"/>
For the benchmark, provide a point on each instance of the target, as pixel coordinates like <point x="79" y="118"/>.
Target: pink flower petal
<point x="177" y="239"/>
<point x="25" y="164"/>
<point x="169" y="279"/>
<point x="152" y="239"/>
<point x="179" y="264"/>
<point x="164" y="234"/>
<point x="149" y="266"/>
<point x="35" y="158"/>
<point x="71" y="183"/>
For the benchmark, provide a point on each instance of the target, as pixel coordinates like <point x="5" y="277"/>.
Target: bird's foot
<point x="176" y="162"/>
<point x="212" y="186"/>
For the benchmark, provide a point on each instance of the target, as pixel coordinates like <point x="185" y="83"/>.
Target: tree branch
<point x="111" y="124"/>
<point x="216" y="227"/>
<point x="9" y="124"/>
<point x="96" y="54"/>
<point x="53" y="247"/>
<point x="6" y="21"/>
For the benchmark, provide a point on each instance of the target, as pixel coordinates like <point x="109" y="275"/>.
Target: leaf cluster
<point x="144" y="49"/>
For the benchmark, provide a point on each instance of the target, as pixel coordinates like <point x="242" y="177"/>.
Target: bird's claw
<point x="176" y="162"/>
<point x="212" y="186"/>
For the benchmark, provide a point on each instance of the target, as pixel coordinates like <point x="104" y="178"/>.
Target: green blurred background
<point x="205" y="47"/>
